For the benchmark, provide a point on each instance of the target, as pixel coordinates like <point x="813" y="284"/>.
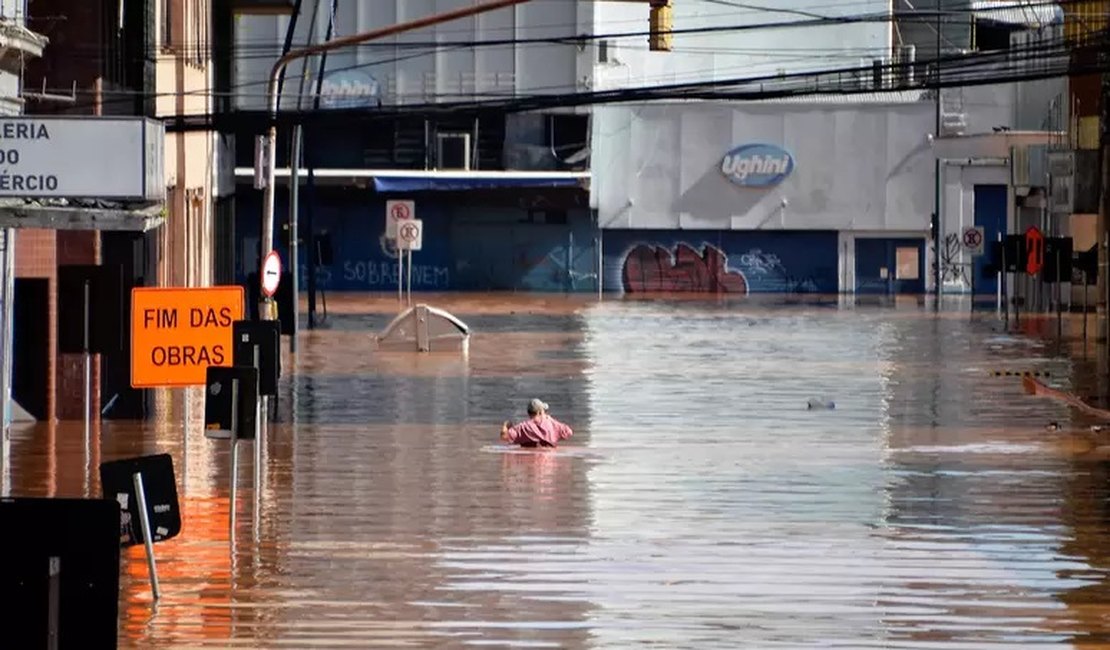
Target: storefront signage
<point x="81" y="157"/>
<point x="349" y="89"/>
<point x="757" y="165"/>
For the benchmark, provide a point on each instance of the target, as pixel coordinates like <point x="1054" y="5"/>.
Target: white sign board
<point x="82" y="157"/>
<point x="410" y="235"/>
<point x="271" y="274"/>
<point x="396" y="211"/>
<point x="973" y="240"/>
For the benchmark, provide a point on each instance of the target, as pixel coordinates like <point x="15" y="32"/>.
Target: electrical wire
<point x="237" y="90"/>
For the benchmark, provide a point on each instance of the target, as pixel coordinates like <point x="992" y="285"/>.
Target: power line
<point x="237" y="89"/>
<point x="963" y="71"/>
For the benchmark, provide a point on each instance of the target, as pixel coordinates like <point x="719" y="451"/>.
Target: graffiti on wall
<point x="952" y="270"/>
<point x="650" y="268"/>
<point x="809" y="264"/>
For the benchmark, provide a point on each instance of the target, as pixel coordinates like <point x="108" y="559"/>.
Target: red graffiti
<point x="653" y="268"/>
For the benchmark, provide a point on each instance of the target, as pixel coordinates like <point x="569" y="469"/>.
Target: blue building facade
<point x="473" y="241"/>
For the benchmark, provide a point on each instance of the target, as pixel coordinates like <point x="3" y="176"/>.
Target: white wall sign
<point x="973" y="240"/>
<point x="396" y="211"/>
<point x="82" y="157"/>
<point x="410" y="235"/>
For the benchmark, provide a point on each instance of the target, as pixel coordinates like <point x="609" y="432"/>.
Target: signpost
<point x="177" y="334"/>
<point x="410" y="237"/>
<point x="230" y="411"/>
<point x="130" y="481"/>
<point x="271" y="274"/>
<point x="973" y="243"/>
<point x="79" y="157"/>
<point x="395" y="213"/>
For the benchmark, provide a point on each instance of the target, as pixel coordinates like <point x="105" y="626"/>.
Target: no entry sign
<point x="177" y="333"/>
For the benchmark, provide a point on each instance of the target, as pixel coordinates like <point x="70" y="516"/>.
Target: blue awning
<point x="459" y="183"/>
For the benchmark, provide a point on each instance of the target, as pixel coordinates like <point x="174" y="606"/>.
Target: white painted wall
<point x="857" y="167"/>
<point x="739" y="53"/>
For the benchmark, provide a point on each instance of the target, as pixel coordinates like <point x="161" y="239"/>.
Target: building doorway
<point x="890" y="266"/>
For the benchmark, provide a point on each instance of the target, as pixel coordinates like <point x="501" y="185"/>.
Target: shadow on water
<point x="700" y="502"/>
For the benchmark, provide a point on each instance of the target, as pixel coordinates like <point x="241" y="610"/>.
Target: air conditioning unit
<point x="453" y="151"/>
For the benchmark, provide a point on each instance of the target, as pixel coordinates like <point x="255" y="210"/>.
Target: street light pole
<point x="272" y="100"/>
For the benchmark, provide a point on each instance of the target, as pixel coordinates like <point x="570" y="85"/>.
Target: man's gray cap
<point x="536" y="405"/>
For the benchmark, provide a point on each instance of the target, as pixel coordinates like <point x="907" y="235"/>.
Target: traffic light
<point x="661" y="22"/>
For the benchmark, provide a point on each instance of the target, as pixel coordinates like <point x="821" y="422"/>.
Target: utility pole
<point x="937" y="235"/>
<point x="1103" y="229"/>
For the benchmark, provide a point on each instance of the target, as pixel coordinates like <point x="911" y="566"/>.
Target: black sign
<point x="1087" y="262"/>
<point x="61" y="566"/>
<point x="992" y="260"/>
<point x="265" y="336"/>
<point x="1057" y="248"/>
<point x="218" y="403"/>
<point x="160" y="489"/>
<point x="1014" y="249"/>
<point x="104" y="311"/>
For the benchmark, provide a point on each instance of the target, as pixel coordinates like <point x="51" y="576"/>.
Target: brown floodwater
<point x="701" y="502"/>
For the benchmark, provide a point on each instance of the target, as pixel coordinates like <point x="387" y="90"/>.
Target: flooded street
<point x="702" y="502"/>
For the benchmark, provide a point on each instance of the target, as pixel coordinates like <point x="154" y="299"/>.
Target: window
<point x="907" y="261"/>
<point x="198" y="44"/>
<point x="166" y="28"/>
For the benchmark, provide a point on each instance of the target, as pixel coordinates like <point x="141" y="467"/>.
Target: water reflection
<point x="701" y="503"/>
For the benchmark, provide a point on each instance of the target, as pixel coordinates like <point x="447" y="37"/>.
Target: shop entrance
<point x="890" y="266"/>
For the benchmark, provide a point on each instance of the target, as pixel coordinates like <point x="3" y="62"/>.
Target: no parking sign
<point x="973" y="240"/>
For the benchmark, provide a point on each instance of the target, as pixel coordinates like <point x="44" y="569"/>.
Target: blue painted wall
<point x="465" y="248"/>
<point x="720" y="261"/>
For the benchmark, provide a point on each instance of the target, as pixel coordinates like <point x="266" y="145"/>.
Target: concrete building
<point x="152" y="60"/>
<point x="654" y="173"/>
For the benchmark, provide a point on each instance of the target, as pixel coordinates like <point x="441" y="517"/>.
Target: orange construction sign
<point x="177" y="333"/>
<point x="1034" y="250"/>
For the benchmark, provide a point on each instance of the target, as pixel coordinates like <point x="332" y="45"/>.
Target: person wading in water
<point x="539" y="430"/>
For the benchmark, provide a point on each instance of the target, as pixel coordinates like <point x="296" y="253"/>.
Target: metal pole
<point x="234" y="457"/>
<point x="408" y="282"/>
<point x="188" y="411"/>
<point x="1086" y="288"/>
<point x="267" y="230"/>
<point x="998" y="279"/>
<point x="258" y="441"/>
<point x="1059" y="313"/>
<point x="294" y="245"/>
<point x="53" y="596"/>
<point x="148" y="541"/>
<point x="600" y="266"/>
<point x="938" y="236"/>
<point x="400" y="269"/>
<point x="7" y="346"/>
<point x="88" y="369"/>
<point x="1003" y="293"/>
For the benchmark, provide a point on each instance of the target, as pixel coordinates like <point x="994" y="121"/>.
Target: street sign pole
<point x="148" y="541"/>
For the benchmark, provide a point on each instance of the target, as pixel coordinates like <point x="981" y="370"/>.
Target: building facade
<point x="150" y="60"/>
<point x="786" y="197"/>
<point x="652" y="173"/>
